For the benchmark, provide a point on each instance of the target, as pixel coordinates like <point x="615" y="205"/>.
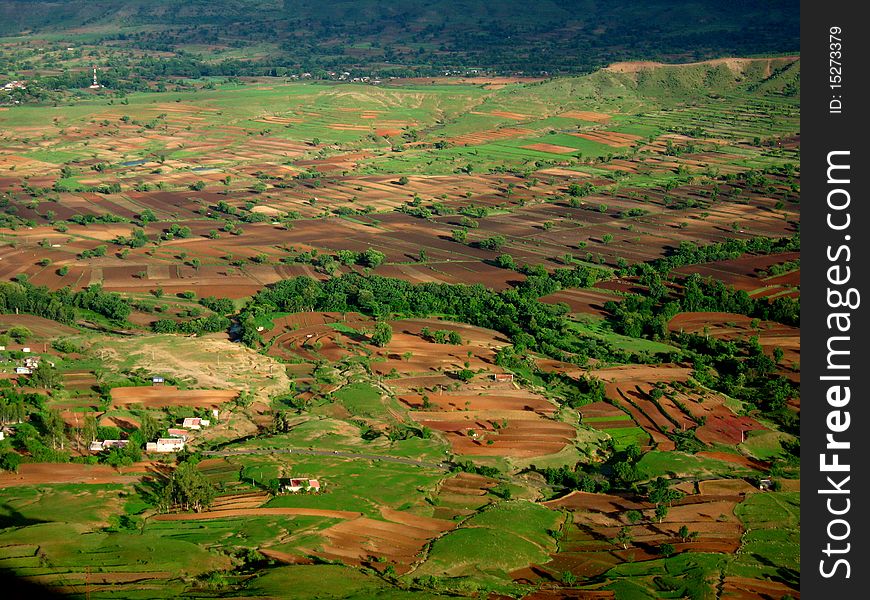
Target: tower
<point x="95" y="85"/>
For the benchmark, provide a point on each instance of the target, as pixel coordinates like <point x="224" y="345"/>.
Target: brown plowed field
<point x="495" y="419"/>
<point x="40" y="473"/>
<point x="164" y="396"/>
<point x="742" y="588"/>
<point x="398" y="540"/>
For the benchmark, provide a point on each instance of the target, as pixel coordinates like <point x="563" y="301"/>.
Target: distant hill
<point x="554" y="36"/>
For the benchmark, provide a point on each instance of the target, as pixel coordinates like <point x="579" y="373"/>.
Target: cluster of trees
<point x="60" y="305"/>
<point x="207" y="324"/>
<point x="186" y="488"/>
<point x="517" y="313"/>
<point x="742" y="370"/>
<point x="441" y="336"/>
<point x="619" y="471"/>
<point x="648" y="316"/>
<point x="137" y="239"/>
<point x="688" y="253"/>
<point x="221" y="306"/>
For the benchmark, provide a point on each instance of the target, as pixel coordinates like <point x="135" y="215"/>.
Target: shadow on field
<point x="9" y="517"/>
<point x="15" y="588"/>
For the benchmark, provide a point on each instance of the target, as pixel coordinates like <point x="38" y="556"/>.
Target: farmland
<point x="420" y="333"/>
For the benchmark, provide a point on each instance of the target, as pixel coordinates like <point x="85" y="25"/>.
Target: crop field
<point x="458" y="332"/>
<point x="159" y="147"/>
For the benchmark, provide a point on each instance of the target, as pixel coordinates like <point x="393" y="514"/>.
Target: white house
<point x="165" y="445"/>
<point x="99" y="446"/>
<point x="298" y="484"/>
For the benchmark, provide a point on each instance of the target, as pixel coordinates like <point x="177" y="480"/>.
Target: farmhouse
<point x="178" y="433"/>
<point x="99" y="446"/>
<point x="195" y="423"/>
<point x="173" y="444"/>
<point x="298" y="484"/>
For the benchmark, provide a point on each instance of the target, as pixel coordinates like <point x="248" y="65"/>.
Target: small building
<point x="23" y="371"/>
<point x="165" y="445"/>
<point x="195" y="423"/>
<point x="157" y="381"/>
<point x="99" y="446"/>
<point x="178" y="433"/>
<point x="295" y="485"/>
<point x="503" y="377"/>
<point x="765" y="484"/>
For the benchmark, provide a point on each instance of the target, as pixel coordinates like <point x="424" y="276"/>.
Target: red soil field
<point x="163" y="396"/>
<point x="40" y="473"/>
<point x="399" y="539"/>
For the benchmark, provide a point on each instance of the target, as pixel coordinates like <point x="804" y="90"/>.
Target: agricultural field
<point x="402" y="331"/>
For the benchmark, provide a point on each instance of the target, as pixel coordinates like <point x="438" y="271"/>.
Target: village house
<point x="99" y="446"/>
<point x="177" y="433"/>
<point x="298" y="484"/>
<point x="165" y="445"/>
<point x="502" y="377"/>
<point x="195" y="423"/>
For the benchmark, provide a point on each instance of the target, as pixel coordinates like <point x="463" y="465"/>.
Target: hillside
<point x="425" y="37"/>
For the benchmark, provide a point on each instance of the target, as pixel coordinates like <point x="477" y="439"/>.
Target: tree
<point x="54" y="427"/>
<point x="506" y="261"/>
<point x="188" y="488"/>
<point x="568" y="578"/>
<point x="403" y="180"/>
<point x="19" y="333"/>
<point x="624" y="537"/>
<point x="465" y="375"/>
<point x="459" y="235"/>
<point x="778" y="354"/>
<point x="683" y="532"/>
<point x="149" y="427"/>
<point x="493" y="243"/>
<point x="382" y="335"/>
<point x="661" y="512"/>
<point x="372" y="258"/>
<point x="46" y="376"/>
<point x="634" y="516"/>
<point x="659" y="492"/>
<point x="667" y="549"/>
